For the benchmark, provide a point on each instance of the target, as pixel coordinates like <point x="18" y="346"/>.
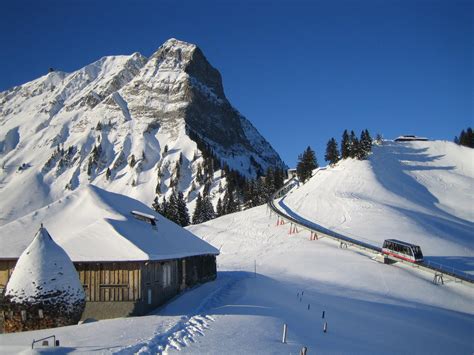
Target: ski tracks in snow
<point x="188" y="328"/>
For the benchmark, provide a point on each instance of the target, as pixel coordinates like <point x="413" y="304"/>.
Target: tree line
<point x="466" y="138"/>
<point x="351" y="147"/>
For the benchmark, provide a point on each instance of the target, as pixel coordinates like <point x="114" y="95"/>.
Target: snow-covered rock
<point x="118" y="114"/>
<point x="45" y="286"/>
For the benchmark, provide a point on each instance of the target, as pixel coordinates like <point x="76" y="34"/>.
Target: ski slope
<point x="419" y="192"/>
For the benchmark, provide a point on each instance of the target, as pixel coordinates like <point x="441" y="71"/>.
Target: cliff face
<point x="122" y="123"/>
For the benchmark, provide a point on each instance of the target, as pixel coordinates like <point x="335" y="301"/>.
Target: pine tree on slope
<point x="207" y="210"/>
<point x="354" y="150"/>
<point x="198" y="210"/>
<point x="345" y="145"/>
<point x="183" y="214"/>
<point x="306" y="164"/>
<point x="332" y="153"/>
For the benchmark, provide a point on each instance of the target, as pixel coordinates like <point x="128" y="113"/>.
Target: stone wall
<point x="21" y="317"/>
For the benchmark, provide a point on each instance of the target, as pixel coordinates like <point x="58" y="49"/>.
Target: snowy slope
<point x="369" y="307"/>
<point x="420" y="192"/>
<point x="121" y="113"/>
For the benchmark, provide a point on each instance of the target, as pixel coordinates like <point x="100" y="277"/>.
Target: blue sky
<point x="301" y="71"/>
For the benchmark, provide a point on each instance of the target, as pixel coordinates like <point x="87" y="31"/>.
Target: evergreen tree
<point x="365" y="145"/>
<point x="207" y="188"/>
<point x="203" y="211"/>
<point x="160" y="208"/>
<point x="332" y="153"/>
<point x="279" y="179"/>
<point x="172" y="208"/>
<point x="208" y="212"/>
<point x="107" y="174"/>
<point x="197" y="210"/>
<point x="219" y="208"/>
<point x="132" y="161"/>
<point x="466" y="138"/>
<point x="176" y="175"/>
<point x="462" y="138"/>
<point x="345" y="145"/>
<point x="230" y="204"/>
<point x="367" y="142"/>
<point x="89" y="166"/>
<point x="354" y="146"/>
<point x="470" y="138"/>
<point x="199" y="175"/>
<point x="182" y="209"/>
<point x="306" y="164"/>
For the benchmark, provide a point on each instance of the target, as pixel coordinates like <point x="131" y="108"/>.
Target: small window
<point x="166" y="275"/>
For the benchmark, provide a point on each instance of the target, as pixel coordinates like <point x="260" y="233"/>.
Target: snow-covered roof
<point x="410" y="137"/>
<point x="42" y="268"/>
<point x="92" y="224"/>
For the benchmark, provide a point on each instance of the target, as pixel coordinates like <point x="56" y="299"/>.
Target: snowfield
<point x="419" y="192"/>
<point x="369" y="307"/>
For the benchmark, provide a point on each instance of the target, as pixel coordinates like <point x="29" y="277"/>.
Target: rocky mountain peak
<point x="179" y="55"/>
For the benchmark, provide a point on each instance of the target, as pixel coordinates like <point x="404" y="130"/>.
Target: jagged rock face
<point x="44" y="290"/>
<point x="108" y="124"/>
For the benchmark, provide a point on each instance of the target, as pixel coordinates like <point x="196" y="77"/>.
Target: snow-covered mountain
<point x="122" y="123"/>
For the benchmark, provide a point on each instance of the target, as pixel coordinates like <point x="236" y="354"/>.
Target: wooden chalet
<point x="129" y="258"/>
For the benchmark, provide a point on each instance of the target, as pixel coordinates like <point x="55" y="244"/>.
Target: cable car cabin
<point x="402" y="250"/>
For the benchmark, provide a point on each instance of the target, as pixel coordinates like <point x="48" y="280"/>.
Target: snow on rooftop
<point x="146" y="215"/>
<point x="92" y="224"/>
<point x="44" y="268"/>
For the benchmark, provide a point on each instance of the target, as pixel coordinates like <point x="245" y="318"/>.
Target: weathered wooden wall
<point x="160" y="281"/>
<point x="115" y="289"/>
<point x="105" y="282"/>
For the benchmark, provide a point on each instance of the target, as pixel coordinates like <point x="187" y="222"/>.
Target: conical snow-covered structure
<point x="44" y="290"/>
